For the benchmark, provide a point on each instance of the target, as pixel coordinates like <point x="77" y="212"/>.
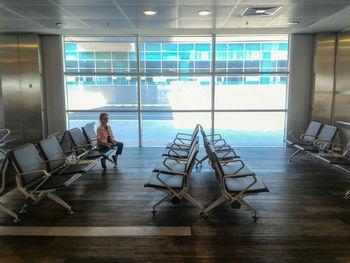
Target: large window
<point x="154" y="87"/>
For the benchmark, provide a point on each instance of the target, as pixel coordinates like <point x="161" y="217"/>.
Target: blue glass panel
<point x="103" y="55"/>
<point x="169" y="55"/>
<point x="221" y="47"/>
<point x="169" y="47"/>
<point x="86" y="63"/>
<point x="86" y="55"/>
<point x="186" y="55"/>
<point x="103" y="64"/>
<point x="87" y="70"/>
<point x="71" y="47"/>
<point x="236" y="47"/>
<point x="153" y="47"/>
<point x="235" y="66"/>
<point x="153" y="66"/>
<point x="251" y="65"/>
<point x="221" y="65"/>
<point x="234" y="80"/>
<point x="283" y="46"/>
<point x="71" y="64"/>
<point x="186" y="66"/>
<point x="268" y="65"/>
<point x="266" y="55"/>
<point x="103" y="80"/>
<point x="203" y="47"/>
<point x="235" y="55"/>
<point x="132" y="56"/>
<point x="153" y="55"/>
<point x="221" y="55"/>
<point x="71" y="55"/>
<point x="252" y="46"/>
<point x="269" y="46"/>
<point x="172" y="65"/>
<point x="203" y="64"/>
<point x="186" y="47"/>
<point x="282" y="65"/>
<point x="120" y="55"/>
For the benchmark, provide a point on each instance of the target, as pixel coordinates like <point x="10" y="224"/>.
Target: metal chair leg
<point x="9" y="212"/>
<point x="293" y="155"/>
<point x="219" y="201"/>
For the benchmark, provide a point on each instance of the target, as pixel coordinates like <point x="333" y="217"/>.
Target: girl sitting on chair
<point x="105" y="138"/>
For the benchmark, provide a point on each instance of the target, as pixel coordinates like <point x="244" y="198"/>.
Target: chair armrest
<point x="184" y="134"/>
<point x="172" y="172"/>
<point x="236" y="160"/>
<point x="7" y="133"/>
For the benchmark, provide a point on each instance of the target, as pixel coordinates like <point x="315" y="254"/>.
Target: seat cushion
<point x="182" y="154"/>
<point x="176" y="182"/>
<point x="309" y="148"/>
<point x="171" y="145"/>
<point x="230" y="168"/>
<point x="236" y="185"/>
<point x="57" y="182"/>
<point x="170" y="165"/>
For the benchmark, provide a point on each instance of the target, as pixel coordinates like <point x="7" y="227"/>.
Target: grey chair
<point x="236" y="181"/>
<point x="85" y="150"/>
<point x="180" y="153"/>
<point x="32" y="178"/>
<point x="57" y="161"/>
<point x="306" y="137"/>
<point x="175" y="184"/>
<point x="183" y="140"/>
<point x="89" y="133"/>
<point x="324" y="141"/>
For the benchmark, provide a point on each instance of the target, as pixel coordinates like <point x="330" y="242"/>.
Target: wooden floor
<point x="304" y="218"/>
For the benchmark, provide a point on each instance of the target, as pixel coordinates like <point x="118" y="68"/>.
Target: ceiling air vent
<point x="260" y="11"/>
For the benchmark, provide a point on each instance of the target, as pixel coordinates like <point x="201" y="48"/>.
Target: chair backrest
<point x="89" y="132"/>
<point x="219" y="172"/>
<point x="78" y="139"/>
<point x="195" y="132"/>
<point x="192" y="159"/>
<point x="26" y="159"/>
<point x="312" y="131"/>
<point x="51" y="149"/>
<point x="327" y="134"/>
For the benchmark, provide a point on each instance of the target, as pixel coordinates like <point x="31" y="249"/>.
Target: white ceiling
<point x="174" y="16"/>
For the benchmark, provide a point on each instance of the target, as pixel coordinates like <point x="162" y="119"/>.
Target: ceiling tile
<point x="93" y="12"/>
<point x="146" y="3"/>
<point x="154" y="23"/>
<point x="200" y="23"/>
<point x="313" y="10"/>
<point x="208" y="2"/>
<point x="4" y="14"/>
<point x="84" y="2"/>
<point x="51" y="23"/>
<point x="41" y="12"/>
<point x="25" y="2"/>
<point x="191" y="11"/>
<point x="107" y="23"/>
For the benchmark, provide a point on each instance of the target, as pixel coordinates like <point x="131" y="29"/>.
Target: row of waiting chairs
<point x="319" y="141"/>
<point x="41" y="171"/>
<point x="172" y="176"/>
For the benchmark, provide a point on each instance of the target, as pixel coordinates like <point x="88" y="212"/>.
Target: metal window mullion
<point x="139" y="89"/>
<point x="213" y="56"/>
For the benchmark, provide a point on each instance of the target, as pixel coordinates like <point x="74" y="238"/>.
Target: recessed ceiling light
<point x="293" y="23"/>
<point x="260" y="11"/>
<point x="204" y="12"/>
<point x="60" y="24"/>
<point x="150" y="12"/>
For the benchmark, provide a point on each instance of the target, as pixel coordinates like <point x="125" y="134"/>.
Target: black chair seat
<point x="57" y="181"/>
<point x="180" y="154"/>
<point x="171" y="166"/>
<point x="309" y="148"/>
<point x="172" y="145"/>
<point x="234" y="166"/>
<point x="176" y="182"/>
<point x="236" y="185"/>
<point x="98" y="153"/>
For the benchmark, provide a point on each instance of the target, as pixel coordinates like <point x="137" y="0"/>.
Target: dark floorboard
<point x="304" y="218"/>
